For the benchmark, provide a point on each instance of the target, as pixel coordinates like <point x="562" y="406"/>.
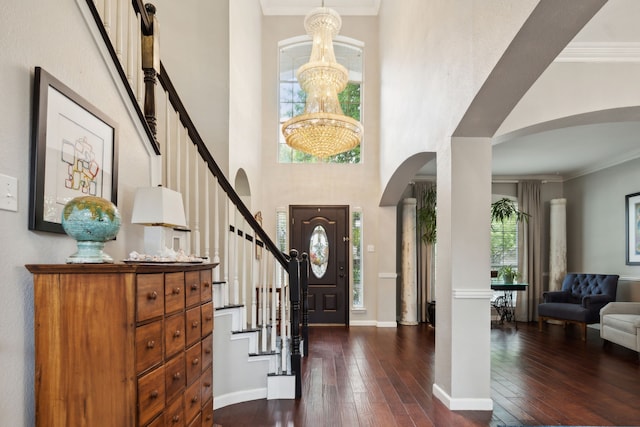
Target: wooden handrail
<point x="204" y="152"/>
<point x="123" y="75"/>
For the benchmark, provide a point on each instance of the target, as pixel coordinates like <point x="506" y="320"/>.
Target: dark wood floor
<point x="367" y="376"/>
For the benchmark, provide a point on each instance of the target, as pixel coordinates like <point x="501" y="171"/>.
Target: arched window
<point x="294" y="53"/>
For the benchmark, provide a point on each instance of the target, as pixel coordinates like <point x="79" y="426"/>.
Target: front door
<point x="322" y="232"/>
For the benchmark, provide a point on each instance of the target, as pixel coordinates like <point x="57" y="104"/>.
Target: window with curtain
<point x="291" y="97"/>
<point x="504" y="243"/>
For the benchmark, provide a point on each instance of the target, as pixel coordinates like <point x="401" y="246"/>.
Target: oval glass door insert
<point x="319" y="251"/>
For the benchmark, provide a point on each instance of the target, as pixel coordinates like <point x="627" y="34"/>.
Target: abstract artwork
<point x="633" y="228"/>
<point x="73" y="152"/>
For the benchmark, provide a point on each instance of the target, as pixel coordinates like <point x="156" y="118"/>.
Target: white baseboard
<point x="465" y="404"/>
<point x="392" y="324"/>
<point x="238" y="397"/>
<point x="281" y="387"/>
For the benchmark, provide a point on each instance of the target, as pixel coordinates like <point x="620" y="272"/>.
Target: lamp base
<point x="89" y="253"/>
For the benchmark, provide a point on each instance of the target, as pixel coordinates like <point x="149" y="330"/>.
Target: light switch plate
<point x="8" y="193"/>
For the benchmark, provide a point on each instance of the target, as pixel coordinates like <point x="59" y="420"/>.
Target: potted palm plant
<point x="426" y="221"/>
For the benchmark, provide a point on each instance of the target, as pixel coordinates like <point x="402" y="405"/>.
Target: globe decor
<point x="91" y="221"/>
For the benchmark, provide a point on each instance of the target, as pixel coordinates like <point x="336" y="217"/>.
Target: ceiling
<point x="564" y="152"/>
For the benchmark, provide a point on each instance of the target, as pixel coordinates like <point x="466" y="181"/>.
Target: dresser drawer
<point x="174" y="334"/>
<point x="193" y="325"/>
<point x="207" y="351"/>
<point x="206" y="381"/>
<point x="207" y="318"/>
<point x="158" y="422"/>
<point x="149" y="341"/>
<point x="197" y="421"/>
<point x="151" y="395"/>
<point x="192" y="287"/>
<point x="174" y="292"/>
<point x="174" y="415"/>
<point x="192" y="401"/>
<point x="206" y="288"/>
<point x="194" y="362"/>
<point x="207" y="414"/>
<point x="175" y="376"/>
<point x="149" y="296"/>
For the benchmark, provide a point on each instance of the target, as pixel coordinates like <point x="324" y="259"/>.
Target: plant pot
<point x="431" y="313"/>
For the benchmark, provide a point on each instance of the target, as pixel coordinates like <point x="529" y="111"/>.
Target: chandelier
<point x="322" y="130"/>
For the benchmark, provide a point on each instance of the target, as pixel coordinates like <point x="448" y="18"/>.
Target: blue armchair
<point x="580" y="300"/>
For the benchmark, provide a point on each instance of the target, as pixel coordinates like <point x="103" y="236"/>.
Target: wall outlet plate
<point x="8" y="193"/>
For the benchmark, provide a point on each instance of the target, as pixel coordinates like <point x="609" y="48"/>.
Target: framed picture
<point x="74" y="152"/>
<point x="633" y="228"/>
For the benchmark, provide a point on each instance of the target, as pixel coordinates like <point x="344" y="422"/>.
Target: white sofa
<point x="620" y="324"/>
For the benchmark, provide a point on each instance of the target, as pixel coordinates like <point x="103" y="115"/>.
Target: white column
<point x="408" y="303"/>
<point x="463" y="290"/>
<point x="557" y="243"/>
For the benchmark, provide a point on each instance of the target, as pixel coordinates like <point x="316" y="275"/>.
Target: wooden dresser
<point x="123" y="345"/>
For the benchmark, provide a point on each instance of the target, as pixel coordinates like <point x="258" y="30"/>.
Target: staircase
<point x="259" y="325"/>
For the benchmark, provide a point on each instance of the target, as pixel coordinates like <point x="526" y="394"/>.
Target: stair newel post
<point x="304" y="286"/>
<point x="150" y="66"/>
<point x="294" y="296"/>
<point x="283" y="318"/>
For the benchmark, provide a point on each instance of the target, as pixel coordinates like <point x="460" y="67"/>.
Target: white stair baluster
<point x="263" y="300"/>
<point x="244" y="273"/>
<point x="216" y="229"/>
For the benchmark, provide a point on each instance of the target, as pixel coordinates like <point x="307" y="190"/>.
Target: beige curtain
<point x="529" y="251"/>
<point x="426" y="273"/>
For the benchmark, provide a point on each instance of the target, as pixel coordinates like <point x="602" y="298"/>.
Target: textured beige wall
<point x="55" y="36"/>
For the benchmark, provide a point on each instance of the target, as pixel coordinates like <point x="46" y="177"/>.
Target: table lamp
<point x="161" y="211"/>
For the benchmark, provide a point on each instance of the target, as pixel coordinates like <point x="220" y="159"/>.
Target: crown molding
<point x="302" y="7"/>
<point x="600" y="52"/>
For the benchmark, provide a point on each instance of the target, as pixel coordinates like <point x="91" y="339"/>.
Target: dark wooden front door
<point x="323" y="233"/>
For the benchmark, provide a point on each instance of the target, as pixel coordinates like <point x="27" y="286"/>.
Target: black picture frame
<point x="632" y="210"/>
<point x="74" y="152"/>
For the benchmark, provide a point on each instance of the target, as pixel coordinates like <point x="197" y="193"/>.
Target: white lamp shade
<point x="158" y="206"/>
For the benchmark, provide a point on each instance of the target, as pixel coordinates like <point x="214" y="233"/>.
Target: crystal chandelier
<point x="322" y="130"/>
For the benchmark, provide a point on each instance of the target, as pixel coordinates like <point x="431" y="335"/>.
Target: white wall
<point x="245" y="87"/>
<point x="52" y="35"/>
<point x="194" y="48"/>
<point x="596" y="223"/>
<point x="434" y="57"/>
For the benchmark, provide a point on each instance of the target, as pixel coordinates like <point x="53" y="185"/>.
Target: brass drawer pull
<point x="207" y="384"/>
<point x="194" y="287"/>
<point x="207" y="284"/>
<point x="153" y="295"/>
<point x="195" y="324"/>
<point x="151" y="344"/>
<point x="154" y="394"/>
<point x="176" y="419"/>
<point x="177" y="333"/>
<point x="194" y="399"/>
<point x="195" y="361"/>
<point x="176" y="291"/>
<point x="177" y="376"/>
